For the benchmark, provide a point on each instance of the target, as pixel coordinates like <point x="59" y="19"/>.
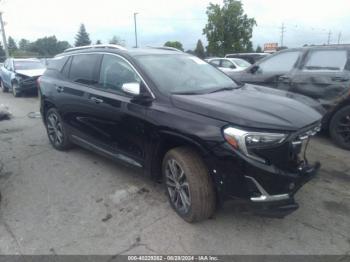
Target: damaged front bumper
<point x="268" y="187"/>
<point x="28" y="85"/>
<point x="280" y="205"/>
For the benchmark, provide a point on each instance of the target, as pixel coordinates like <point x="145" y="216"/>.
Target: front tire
<point x="188" y="184"/>
<point x="56" y="131"/>
<point x="340" y="128"/>
<point x="15" y="91"/>
<point x="4" y="89"/>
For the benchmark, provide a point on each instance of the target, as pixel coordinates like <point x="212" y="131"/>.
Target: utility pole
<point x="283" y="30"/>
<point x="339" y="38"/>
<point x="135" y="14"/>
<point x="329" y="37"/>
<point x="4" y="39"/>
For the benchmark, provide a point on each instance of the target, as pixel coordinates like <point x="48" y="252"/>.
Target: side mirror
<point x="132" y="88"/>
<point x="232" y="67"/>
<point x="254" y="69"/>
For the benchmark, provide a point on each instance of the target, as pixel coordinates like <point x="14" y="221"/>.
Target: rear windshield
<point x="28" y="65"/>
<point x="183" y="74"/>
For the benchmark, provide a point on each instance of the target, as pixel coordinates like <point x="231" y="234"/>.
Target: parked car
<point x="320" y="72"/>
<point x="182" y="120"/>
<point x="228" y="65"/>
<point x="252" y="58"/>
<point x="20" y="75"/>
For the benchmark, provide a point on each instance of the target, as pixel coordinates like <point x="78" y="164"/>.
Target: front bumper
<point x="28" y="85"/>
<point x="280" y="205"/>
<point x="269" y="189"/>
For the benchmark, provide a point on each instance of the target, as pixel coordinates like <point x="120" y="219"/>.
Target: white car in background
<point x="228" y="65"/>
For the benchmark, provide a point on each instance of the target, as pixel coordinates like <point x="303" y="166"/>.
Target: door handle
<point x="96" y="100"/>
<point x="284" y="78"/>
<point x="59" y="89"/>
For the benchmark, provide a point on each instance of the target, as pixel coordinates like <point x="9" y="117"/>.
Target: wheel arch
<point x="45" y="106"/>
<point x="328" y="118"/>
<point x="169" y="140"/>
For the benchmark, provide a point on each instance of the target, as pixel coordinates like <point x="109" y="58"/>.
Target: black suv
<point x="320" y="72"/>
<point x="183" y="121"/>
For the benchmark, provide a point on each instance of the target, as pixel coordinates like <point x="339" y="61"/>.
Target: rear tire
<point x="339" y="128"/>
<point x="15" y="91"/>
<point x="56" y="131"/>
<point x="4" y="89"/>
<point x="193" y="183"/>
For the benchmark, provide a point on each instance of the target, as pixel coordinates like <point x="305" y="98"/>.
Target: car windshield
<point x="184" y="74"/>
<point x="240" y="62"/>
<point x="28" y="65"/>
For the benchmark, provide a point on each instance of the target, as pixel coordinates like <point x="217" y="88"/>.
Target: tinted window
<point x="283" y="62"/>
<point x="66" y="68"/>
<point x="227" y="64"/>
<point x="183" y="74"/>
<point x="57" y="63"/>
<point x="84" y="69"/>
<point x="326" y="60"/>
<point x="115" y="72"/>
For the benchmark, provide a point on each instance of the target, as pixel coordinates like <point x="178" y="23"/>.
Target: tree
<point x="98" y="42"/>
<point x="2" y="53"/>
<point x="258" y="49"/>
<point x="11" y="45"/>
<point x="116" y="40"/>
<point x="48" y="46"/>
<point x="228" y="29"/>
<point x="24" y="44"/>
<point x="199" y="51"/>
<point x="174" y="44"/>
<point x="82" y="38"/>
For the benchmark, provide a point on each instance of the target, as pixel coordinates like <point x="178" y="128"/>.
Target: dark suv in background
<point x="320" y="72"/>
<point x="185" y="122"/>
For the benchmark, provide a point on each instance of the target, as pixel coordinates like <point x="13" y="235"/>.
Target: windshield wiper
<point x="186" y="93"/>
<point x="223" y="89"/>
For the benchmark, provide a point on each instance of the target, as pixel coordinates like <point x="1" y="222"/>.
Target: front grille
<point x="290" y="155"/>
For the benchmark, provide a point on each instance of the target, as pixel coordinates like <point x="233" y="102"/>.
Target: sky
<point x="306" y="22"/>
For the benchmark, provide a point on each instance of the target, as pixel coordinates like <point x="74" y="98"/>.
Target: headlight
<point x="245" y="141"/>
<point x="19" y="78"/>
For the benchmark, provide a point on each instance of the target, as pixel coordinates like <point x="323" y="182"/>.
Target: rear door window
<point x="57" y="63"/>
<point x="283" y="62"/>
<point x="84" y="68"/>
<point x="326" y="60"/>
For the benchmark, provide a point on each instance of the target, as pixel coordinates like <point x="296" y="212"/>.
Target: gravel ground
<point x="77" y="202"/>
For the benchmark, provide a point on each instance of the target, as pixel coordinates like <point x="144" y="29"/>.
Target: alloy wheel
<point x="54" y="129"/>
<point x="343" y="128"/>
<point x="178" y="187"/>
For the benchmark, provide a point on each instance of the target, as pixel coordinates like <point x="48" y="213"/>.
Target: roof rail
<point x="95" y="46"/>
<point x="165" y="48"/>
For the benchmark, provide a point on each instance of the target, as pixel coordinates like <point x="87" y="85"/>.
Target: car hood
<point x="31" y="72"/>
<point x="255" y="107"/>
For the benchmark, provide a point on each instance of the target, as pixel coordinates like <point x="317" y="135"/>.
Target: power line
<point x="329" y="37"/>
<point x="283" y="30"/>
<point x="339" y="38"/>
